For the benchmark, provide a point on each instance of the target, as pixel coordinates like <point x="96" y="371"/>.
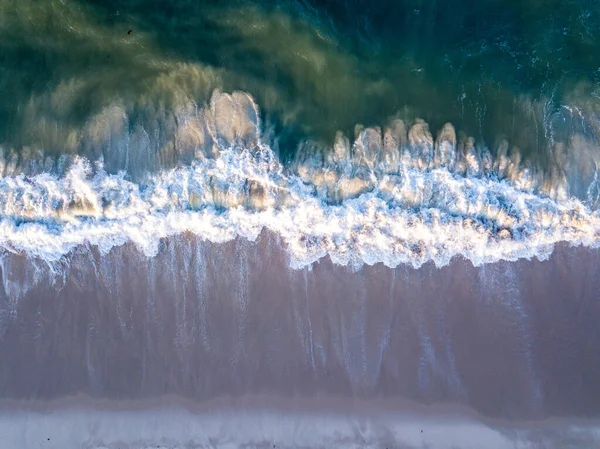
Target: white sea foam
<point x="396" y="197"/>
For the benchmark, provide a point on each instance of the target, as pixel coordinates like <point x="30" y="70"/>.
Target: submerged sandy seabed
<point x="124" y="351"/>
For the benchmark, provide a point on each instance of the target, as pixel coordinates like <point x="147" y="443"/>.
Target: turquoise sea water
<point x="526" y="71"/>
<point x="395" y="132"/>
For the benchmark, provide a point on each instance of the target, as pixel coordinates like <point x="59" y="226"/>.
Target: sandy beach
<point x="267" y="422"/>
<point x="98" y="340"/>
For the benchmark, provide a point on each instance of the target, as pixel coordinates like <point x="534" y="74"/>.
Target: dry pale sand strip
<point x="513" y="340"/>
<point x="255" y="422"/>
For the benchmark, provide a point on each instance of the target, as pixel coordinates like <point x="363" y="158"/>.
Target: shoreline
<point x="175" y="422"/>
<point x="302" y="406"/>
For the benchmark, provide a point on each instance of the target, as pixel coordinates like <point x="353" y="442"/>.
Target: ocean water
<point x="296" y="206"/>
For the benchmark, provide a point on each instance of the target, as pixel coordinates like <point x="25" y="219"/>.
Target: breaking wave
<point x="397" y="196"/>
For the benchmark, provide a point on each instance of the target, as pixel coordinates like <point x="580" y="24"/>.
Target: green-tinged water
<point x="526" y="71"/>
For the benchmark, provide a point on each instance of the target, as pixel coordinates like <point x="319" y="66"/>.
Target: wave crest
<point x="397" y="196"/>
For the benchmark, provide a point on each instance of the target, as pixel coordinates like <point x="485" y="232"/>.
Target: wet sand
<point x="500" y="346"/>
